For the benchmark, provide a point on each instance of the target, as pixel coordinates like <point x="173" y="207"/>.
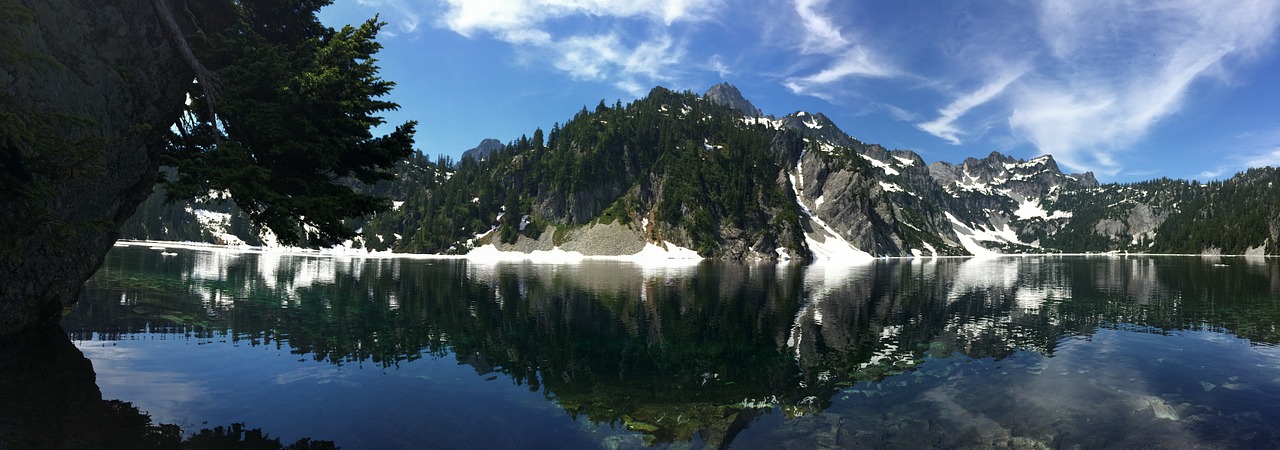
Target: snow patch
<point x="651" y="254"/>
<point x="968" y="238"/>
<point x="812" y="123"/>
<point x="217" y="224"/>
<point x="888" y="170"/>
<point x="1030" y="208"/>
<point x="890" y="187"/>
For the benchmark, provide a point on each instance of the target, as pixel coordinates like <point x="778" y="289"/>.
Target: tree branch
<point x="209" y="82"/>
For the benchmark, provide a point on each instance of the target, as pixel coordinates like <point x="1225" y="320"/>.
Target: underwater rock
<point x="1163" y="410"/>
<point x="1022" y="442"/>
<point x="636" y="425"/>
<point x="1158" y="406"/>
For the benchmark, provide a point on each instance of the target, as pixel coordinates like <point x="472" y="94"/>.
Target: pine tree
<point x="292" y="121"/>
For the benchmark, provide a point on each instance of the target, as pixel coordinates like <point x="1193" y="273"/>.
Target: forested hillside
<point x="713" y="174"/>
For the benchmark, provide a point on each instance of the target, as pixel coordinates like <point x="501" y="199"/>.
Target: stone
<point x="97" y="84"/>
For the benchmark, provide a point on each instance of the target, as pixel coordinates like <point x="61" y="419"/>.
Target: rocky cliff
<point x="728" y="95"/>
<point x="84" y="94"/>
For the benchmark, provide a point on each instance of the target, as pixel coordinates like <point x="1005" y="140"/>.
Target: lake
<point x="1026" y="352"/>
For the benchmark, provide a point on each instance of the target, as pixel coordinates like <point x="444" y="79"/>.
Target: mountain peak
<point x="728" y="95"/>
<point x="482" y="151"/>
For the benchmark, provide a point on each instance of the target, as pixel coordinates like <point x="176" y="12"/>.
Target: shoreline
<point x="650" y="254"/>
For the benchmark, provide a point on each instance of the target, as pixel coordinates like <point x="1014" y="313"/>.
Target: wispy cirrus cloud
<point x="945" y="125"/>
<point x="631" y="61"/>
<point x="845" y="58"/>
<point x="822" y="35"/>
<point x="1114" y="69"/>
<point x="470" y="16"/>
<point x="1089" y="79"/>
<point x="717" y="65"/>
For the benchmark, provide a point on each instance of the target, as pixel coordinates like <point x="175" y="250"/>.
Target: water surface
<point x="1107" y="351"/>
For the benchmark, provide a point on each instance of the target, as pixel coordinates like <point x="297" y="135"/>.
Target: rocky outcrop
<point x="86" y="95"/>
<point x="728" y="95"/>
<point x="482" y="151"/>
<point x="1026" y="178"/>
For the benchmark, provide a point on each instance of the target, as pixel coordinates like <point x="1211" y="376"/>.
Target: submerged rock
<point x="1161" y="409"/>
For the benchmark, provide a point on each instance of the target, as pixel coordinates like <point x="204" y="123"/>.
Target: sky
<point x="1127" y="89"/>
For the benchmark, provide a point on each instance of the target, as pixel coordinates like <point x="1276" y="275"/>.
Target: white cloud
<point x="944" y="126"/>
<point x="627" y="60"/>
<point x="719" y="67"/>
<point x="856" y="62"/>
<point x="1119" y="67"/>
<point x="1212" y="174"/>
<point x="1269" y="159"/>
<point x="898" y="113"/>
<point x="1066" y="123"/>
<point x="469" y="16"/>
<point x="652" y="59"/>
<point x="821" y="34"/>
<point x="604" y="57"/>
<point x="846" y="59"/>
<point x="587" y="57"/>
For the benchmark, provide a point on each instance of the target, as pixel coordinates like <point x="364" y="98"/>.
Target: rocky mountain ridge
<point x="712" y="173"/>
<point x="486" y="147"/>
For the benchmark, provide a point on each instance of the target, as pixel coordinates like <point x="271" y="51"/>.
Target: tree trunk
<point x="85" y="97"/>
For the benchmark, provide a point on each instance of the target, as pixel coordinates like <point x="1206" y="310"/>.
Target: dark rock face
<point x="482" y="151"/>
<point x="91" y="86"/>
<point x="728" y="95"/>
<point x="52" y="400"/>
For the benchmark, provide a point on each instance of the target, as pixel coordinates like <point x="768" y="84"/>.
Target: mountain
<point x="713" y="174"/>
<point x="726" y="94"/>
<point x="482" y="151"/>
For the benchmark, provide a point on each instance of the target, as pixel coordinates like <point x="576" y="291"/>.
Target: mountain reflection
<point x="675" y="352"/>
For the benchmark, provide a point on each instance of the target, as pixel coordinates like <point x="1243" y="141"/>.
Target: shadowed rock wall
<point x="86" y="89"/>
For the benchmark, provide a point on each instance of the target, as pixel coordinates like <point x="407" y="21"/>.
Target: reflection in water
<point x="975" y="352"/>
<point x="50" y="400"/>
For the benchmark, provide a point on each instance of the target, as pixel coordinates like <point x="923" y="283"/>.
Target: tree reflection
<point x="677" y="353"/>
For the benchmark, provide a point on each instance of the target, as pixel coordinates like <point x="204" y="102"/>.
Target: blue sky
<point x="1130" y="90"/>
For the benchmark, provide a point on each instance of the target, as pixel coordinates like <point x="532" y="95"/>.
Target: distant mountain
<point x="714" y="174"/>
<point x="726" y="94"/>
<point x="482" y="151"/>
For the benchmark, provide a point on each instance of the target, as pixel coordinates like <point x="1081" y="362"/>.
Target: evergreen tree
<point x="291" y="122"/>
